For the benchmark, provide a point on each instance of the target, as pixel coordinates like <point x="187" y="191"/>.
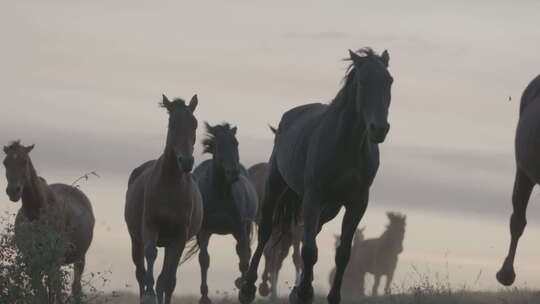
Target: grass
<point x="506" y="296"/>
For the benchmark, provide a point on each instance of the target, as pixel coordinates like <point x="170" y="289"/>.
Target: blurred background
<point x="82" y="81"/>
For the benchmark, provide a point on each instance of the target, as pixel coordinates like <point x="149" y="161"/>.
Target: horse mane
<point x="348" y="80"/>
<point x="211" y="134"/>
<point x="14" y="145"/>
<point x="174" y="102"/>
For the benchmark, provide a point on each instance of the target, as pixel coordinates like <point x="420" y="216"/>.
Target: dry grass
<point x="507" y="296"/>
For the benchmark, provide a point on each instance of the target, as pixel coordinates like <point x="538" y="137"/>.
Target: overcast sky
<point x="82" y="80"/>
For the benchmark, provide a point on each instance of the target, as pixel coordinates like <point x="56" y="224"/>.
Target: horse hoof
<point x="295" y="298"/>
<point x="334" y="298"/>
<point x="247" y="293"/>
<point x="506" y="276"/>
<point x="149" y="299"/>
<point x="239" y="282"/>
<point x="205" y="300"/>
<point x="264" y="289"/>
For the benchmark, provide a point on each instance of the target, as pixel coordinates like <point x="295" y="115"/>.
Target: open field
<point x="510" y="296"/>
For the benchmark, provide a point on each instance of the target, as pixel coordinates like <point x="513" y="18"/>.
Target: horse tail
<point x="192" y="249"/>
<point x="286" y="213"/>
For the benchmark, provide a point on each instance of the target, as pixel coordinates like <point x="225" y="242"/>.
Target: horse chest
<point x="166" y="207"/>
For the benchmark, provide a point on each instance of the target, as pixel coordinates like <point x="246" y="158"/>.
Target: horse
<point x="527" y="151"/>
<point x="328" y="155"/>
<point x="163" y="204"/>
<point x="70" y="211"/>
<point x="377" y="256"/>
<point x="278" y="247"/>
<point x="230" y="201"/>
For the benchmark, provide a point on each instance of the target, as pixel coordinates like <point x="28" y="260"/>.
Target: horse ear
<point x="193" y="103"/>
<point x="356" y="59"/>
<point x="29" y="148"/>
<point x="385" y="58"/>
<point x="233" y="130"/>
<point x="165" y="102"/>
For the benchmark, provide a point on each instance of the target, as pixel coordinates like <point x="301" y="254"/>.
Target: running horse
<point x="230" y="201"/>
<point x="527" y="149"/>
<point x="70" y="209"/>
<point x="378" y="256"/>
<point x="328" y="155"/>
<point x="164" y="205"/>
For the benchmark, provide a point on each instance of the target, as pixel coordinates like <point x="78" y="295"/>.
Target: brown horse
<point x="280" y="242"/>
<point x="164" y="205"/>
<point x="73" y="215"/>
<point x="527" y="149"/>
<point x="378" y="256"/>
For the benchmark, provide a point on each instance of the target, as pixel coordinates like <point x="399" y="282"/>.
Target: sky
<point x="82" y="81"/>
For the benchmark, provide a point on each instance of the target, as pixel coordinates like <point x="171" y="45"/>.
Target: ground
<point x="507" y="296"/>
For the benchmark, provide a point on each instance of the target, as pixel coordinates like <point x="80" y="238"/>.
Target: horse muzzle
<point x="377" y="134"/>
<point x="14" y="192"/>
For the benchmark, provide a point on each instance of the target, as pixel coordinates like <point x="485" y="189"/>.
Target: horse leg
<point x="375" y="289"/>
<point x="361" y="284"/>
<point x="264" y="289"/>
<point x="303" y="293"/>
<point x="150" y="253"/>
<point x="523" y="186"/>
<point x="275" y="186"/>
<point x="389" y="278"/>
<point x="78" y="269"/>
<point x="137" y="254"/>
<point x="243" y="250"/>
<point x="203" y="238"/>
<point x="297" y="259"/>
<point x="353" y="214"/>
<point x="281" y="255"/>
<point x="274" y="283"/>
<point x="167" y="279"/>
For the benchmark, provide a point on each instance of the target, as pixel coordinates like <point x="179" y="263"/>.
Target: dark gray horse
<point x="326" y="153"/>
<point x="229" y="199"/>
<point x="527" y="148"/>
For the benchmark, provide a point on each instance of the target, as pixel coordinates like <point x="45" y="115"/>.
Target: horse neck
<point x="218" y="179"/>
<point x="36" y="194"/>
<point x="390" y="239"/>
<point x="350" y="126"/>
<point x="168" y="165"/>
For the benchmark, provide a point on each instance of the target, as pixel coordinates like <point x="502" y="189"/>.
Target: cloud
<point x="462" y="182"/>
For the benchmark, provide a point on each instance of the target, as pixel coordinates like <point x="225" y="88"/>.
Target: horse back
<point x="79" y="218"/>
<point x="292" y="142"/>
<point x="531" y="93"/>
